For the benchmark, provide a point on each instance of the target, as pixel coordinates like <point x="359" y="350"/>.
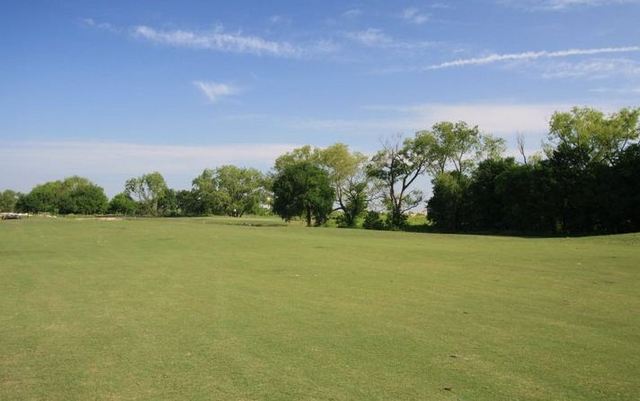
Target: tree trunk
<point x="308" y="217"/>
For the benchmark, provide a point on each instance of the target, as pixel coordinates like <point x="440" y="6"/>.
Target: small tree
<point x="302" y="188"/>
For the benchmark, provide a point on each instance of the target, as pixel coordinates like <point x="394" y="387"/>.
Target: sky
<point x="114" y="89"/>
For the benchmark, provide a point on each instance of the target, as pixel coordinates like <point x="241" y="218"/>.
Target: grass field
<point x="201" y="309"/>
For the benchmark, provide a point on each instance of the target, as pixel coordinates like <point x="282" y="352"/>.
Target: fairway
<point x="206" y="309"/>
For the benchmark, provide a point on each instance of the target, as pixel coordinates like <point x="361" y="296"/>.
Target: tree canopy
<point x="303" y="189"/>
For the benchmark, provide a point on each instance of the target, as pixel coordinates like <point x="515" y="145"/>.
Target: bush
<point x="373" y="221"/>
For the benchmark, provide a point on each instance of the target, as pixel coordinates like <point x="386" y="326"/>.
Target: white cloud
<point x="560" y="5"/>
<point x="621" y="91"/>
<point x="25" y="164"/>
<point x="495" y="118"/>
<point x="90" y="22"/>
<point x="214" y="91"/>
<point x="502" y="119"/>
<point x="593" y="69"/>
<point x="370" y="37"/>
<point x="373" y="37"/>
<point x="352" y="13"/>
<point x="531" y="55"/>
<point x="217" y="40"/>
<point x="414" y="16"/>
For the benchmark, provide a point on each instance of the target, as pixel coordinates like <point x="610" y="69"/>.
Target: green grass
<point x="206" y="309"/>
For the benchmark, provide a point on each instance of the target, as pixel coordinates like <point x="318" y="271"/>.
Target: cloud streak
<point x="561" y="5"/>
<point x="218" y="40"/>
<point x="372" y="37"/>
<point x="414" y="16"/>
<point x="530" y="55"/>
<point x="214" y="91"/>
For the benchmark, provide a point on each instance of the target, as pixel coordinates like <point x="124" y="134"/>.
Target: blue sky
<point x="114" y="89"/>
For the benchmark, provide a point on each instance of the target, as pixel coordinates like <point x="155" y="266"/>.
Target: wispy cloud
<point x="619" y="91"/>
<point x="414" y="16"/>
<point x="111" y="163"/>
<point x="495" y="118"/>
<point x="530" y="55"/>
<point x="561" y="5"/>
<point x="500" y="118"/>
<point x="90" y="22"/>
<point x="214" y="91"/>
<point x="217" y="40"/>
<point x="352" y="13"/>
<point x="280" y="19"/>
<point x="373" y="37"/>
<point x="593" y="69"/>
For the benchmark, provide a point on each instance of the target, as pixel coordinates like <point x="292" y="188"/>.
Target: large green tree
<point x="147" y="190"/>
<point x="599" y="136"/>
<point x="73" y="195"/>
<point x="303" y="189"/>
<point x="459" y="147"/>
<point x="240" y="190"/>
<point x="347" y="173"/>
<point x="8" y="200"/>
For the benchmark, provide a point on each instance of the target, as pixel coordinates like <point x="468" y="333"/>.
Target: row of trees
<point x="588" y="181"/>
<point x="585" y="179"/>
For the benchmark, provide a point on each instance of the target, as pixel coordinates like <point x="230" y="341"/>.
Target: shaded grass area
<point x="201" y="309"/>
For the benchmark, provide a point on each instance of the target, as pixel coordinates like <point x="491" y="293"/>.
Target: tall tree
<point x="8" y="200"/>
<point x="205" y="197"/>
<point x="302" y="188"/>
<point x="459" y="147"/>
<point x="349" y="180"/>
<point x="147" y="190"/>
<point x="346" y="171"/>
<point x="397" y="166"/>
<point x="240" y="190"/>
<point x="601" y="137"/>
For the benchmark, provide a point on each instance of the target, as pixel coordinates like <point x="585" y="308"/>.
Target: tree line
<point x="585" y="179"/>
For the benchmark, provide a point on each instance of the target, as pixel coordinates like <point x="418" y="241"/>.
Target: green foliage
<point x="205" y="198"/>
<point x="600" y="137"/>
<point x="459" y="146"/>
<point x="168" y="204"/>
<point x="240" y="190"/>
<point x="374" y="221"/>
<point x="346" y="171"/>
<point x="147" y="190"/>
<point x="396" y="167"/>
<point x="73" y="195"/>
<point x="303" y="188"/>
<point x="354" y="202"/>
<point x="228" y="190"/>
<point x="447" y="208"/>
<point x="8" y="200"/>
<point x="123" y="204"/>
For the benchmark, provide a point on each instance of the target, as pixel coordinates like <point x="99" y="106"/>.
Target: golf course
<point x="255" y="309"/>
